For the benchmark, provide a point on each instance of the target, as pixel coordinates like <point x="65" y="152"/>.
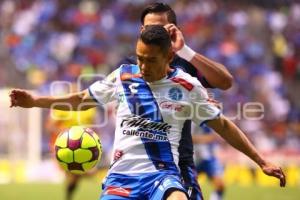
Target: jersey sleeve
<point x="104" y="91"/>
<point x="202" y="109"/>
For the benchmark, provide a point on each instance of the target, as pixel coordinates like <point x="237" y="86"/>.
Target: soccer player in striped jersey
<point x="210" y="73"/>
<point x="154" y="101"/>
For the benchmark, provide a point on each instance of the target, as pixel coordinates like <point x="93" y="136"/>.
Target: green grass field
<point x="89" y="189"/>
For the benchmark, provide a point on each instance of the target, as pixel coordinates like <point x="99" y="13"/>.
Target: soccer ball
<point x="78" y="149"/>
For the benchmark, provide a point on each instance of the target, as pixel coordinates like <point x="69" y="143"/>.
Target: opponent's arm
<point x="215" y="73"/>
<point x="74" y="101"/>
<point x="236" y="138"/>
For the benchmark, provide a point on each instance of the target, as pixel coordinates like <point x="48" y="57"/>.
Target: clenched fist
<point x="21" y="98"/>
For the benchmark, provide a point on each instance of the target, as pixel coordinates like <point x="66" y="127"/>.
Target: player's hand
<point x="21" y="98"/>
<point x="176" y="36"/>
<point x="272" y="170"/>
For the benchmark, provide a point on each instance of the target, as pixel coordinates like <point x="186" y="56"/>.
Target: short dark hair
<point x="159" y="8"/>
<point x="156" y="35"/>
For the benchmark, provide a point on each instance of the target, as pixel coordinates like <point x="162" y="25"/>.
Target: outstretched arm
<point x="215" y="73"/>
<point x="73" y="101"/>
<point x="204" y="139"/>
<point x="236" y="138"/>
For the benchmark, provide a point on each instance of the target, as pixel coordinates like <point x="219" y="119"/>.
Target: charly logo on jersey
<point x="175" y="94"/>
<point x="133" y="87"/>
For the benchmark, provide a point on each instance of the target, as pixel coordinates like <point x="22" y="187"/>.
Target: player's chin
<point x="147" y="77"/>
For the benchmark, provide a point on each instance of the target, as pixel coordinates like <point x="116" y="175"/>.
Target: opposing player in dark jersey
<point x="211" y="74"/>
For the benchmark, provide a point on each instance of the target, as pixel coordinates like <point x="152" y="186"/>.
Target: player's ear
<point x="142" y="28"/>
<point x="171" y="55"/>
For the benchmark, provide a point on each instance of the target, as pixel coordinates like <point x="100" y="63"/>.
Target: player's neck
<point x="160" y="75"/>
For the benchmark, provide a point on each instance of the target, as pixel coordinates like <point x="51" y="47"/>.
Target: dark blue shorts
<point x="190" y="180"/>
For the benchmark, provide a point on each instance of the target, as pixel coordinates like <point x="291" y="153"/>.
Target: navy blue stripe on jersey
<point x="142" y="103"/>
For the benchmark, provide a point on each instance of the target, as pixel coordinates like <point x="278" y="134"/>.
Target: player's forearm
<point x="68" y="102"/>
<point x="203" y="139"/>
<point x="215" y="73"/>
<point x="236" y="138"/>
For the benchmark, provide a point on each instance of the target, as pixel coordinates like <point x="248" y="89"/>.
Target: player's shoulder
<point x="124" y="63"/>
<point x="190" y="83"/>
<point x="127" y="60"/>
<point x="123" y="69"/>
<point x="184" y="76"/>
<point x="129" y="68"/>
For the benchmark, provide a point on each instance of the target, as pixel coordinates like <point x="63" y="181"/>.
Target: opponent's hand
<point x="272" y="170"/>
<point x="21" y="98"/>
<point x="176" y="36"/>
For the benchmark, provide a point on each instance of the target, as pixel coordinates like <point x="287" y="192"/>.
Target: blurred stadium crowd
<point x="44" y="41"/>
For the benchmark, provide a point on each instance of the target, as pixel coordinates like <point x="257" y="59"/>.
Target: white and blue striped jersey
<point x="150" y="116"/>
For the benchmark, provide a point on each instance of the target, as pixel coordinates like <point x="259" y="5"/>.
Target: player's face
<point x="153" y="62"/>
<point x="156" y="19"/>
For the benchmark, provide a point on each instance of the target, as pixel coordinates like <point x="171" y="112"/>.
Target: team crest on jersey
<point x="175" y="94"/>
